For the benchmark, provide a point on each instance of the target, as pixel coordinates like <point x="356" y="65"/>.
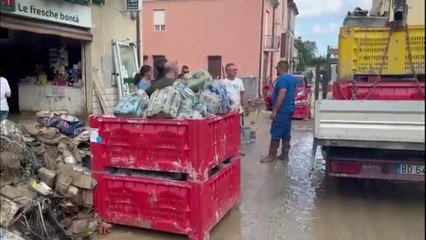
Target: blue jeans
<point x="4" y="115"/>
<point x="281" y="127"/>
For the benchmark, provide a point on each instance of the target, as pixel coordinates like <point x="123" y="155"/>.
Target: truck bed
<point x="370" y="124"/>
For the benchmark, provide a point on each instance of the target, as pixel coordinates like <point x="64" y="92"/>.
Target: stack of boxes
<point x="178" y="176"/>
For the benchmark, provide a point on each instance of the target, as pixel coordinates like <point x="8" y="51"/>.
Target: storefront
<point x="42" y="44"/>
<point x="54" y="51"/>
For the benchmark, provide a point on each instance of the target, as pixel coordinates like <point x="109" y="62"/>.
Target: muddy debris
<point x="46" y="193"/>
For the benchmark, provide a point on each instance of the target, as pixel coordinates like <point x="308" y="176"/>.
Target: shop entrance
<point x="45" y="72"/>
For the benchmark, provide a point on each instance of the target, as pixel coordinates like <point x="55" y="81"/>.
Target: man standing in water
<point x="282" y="113"/>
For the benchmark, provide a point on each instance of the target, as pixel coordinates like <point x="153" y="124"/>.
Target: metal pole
<point x="317" y="81"/>
<point x="138" y="36"/>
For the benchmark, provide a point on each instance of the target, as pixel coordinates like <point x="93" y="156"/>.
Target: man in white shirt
<point x="234" y="86"/>
<point x="4" y="94"/>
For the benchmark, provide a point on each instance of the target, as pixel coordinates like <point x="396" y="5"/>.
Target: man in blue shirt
<point x="283" y="108"/>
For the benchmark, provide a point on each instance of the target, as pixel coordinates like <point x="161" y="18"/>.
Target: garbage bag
<point x="198" y="80"/>
<point x="191" y="114"/>
<point x="201" y="108"/>
<point x="216" y="98"/>
<point x="164" y="103"/>
<point x="189" y="101"/>
<point x="185" y="91"/>
<point x="132" y="106"/>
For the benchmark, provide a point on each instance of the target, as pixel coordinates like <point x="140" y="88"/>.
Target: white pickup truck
<point x="372" y="139"/>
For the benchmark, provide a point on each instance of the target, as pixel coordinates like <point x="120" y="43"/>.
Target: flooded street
<point x="280" y="201"/>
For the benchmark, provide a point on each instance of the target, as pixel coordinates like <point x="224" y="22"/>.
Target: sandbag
<point x="132" y="106"/>
<point x="164" y="103"/>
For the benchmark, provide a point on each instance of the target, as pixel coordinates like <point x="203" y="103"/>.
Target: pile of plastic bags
<point x="195" y="98"/>
<point x="216" y="98"/>
<point x="132" y="106"/>
<point x="164" y="103"/>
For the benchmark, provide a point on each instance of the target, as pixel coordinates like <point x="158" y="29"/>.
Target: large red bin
<point x="192" y="147"/>
<point x="181" y="207"/>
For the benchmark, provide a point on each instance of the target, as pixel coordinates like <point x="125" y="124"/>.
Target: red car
<point x="303" y="98"/>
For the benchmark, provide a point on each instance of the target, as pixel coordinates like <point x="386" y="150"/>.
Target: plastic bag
<point x="188" y="99"/>
<point x="198" y="80"/>
<point x="132" y="106"/>
<point x="216" y="99"/>
<point x="201" y="108"/>
<point x="191" y="114"/>
<point x="185" y="91"/>
<point x="164" y="103"/>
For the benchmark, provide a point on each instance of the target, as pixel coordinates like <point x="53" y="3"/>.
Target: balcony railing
<point x="272" y="43"/>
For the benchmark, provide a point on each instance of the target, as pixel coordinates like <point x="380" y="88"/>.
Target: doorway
<point x="214" y="66"/>
<point x="157" y="59"/>
<point x="265" y="72"/>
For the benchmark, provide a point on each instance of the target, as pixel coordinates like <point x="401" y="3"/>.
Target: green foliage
<point x="307" y="53"/>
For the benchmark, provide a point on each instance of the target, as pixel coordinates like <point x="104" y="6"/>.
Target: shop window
<point x="47" y="77"/>
<point x="160" y="20"/>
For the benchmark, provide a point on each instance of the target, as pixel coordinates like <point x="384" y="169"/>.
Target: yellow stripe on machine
<point x="361" y="51"/>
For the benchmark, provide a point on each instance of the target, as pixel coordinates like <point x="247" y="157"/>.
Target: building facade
<point x="210" y="34"/>
<point x="53" y="52"/>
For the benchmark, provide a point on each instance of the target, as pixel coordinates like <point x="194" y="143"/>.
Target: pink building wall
<point x="198" y="29"/>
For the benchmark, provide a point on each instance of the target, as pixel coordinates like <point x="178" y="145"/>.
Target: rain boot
<point x="272" y="155"/>
<point x="285" y="148"/>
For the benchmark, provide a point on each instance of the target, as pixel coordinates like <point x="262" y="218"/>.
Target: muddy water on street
<point x="280" y="201"/>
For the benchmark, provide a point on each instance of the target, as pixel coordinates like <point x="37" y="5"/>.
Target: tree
<point x="307" y="53"/>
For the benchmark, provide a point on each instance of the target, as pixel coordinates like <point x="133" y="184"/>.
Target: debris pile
<point x="196" y="98"/>
<point x="45" y="180"/>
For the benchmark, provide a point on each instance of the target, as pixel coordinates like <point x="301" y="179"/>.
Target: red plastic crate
<point x="187" y="208"/>
<point x="403" y="90"/>
<point x="192" y="147"/>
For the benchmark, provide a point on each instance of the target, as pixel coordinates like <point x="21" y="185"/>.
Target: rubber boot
<point x="285" y="149"/>
<point x="272" y="155"/>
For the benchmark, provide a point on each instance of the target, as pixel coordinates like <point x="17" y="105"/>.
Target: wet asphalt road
<point x="280" y="201"/>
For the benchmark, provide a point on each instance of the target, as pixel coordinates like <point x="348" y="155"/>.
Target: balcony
<point x="272" y="43"/>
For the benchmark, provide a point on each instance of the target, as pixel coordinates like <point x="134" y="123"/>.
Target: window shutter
<point x="159" y="17"/>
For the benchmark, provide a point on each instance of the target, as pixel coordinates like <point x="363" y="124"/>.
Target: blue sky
<point x="320" y="20"/>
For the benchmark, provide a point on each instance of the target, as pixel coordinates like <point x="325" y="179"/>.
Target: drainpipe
<point x="262" y="16"/>
<point x="271" y="68"/>
<point x="138" y="38"/>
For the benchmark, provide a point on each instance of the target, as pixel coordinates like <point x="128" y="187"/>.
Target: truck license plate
<point x="411" y="169"/>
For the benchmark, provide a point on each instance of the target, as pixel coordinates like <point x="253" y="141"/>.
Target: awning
<point x="29" y="25"/>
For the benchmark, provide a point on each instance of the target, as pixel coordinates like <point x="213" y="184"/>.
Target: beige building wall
<point x="110" y="22"/>
<point x="196" y="29"/>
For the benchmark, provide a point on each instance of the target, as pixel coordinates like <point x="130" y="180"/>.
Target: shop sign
<point x="50" y="10"/>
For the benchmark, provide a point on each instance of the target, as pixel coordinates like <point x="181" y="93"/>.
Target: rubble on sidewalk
<point x="46" y="193"/>
<point x="6" y="235"/>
